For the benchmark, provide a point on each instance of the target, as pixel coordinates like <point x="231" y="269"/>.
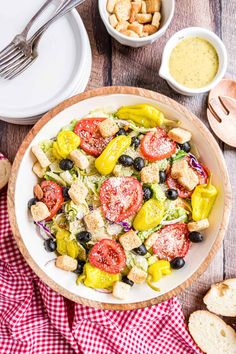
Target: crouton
<point x="189" y="179"/>
<point x="150" y="174"/>
<point x="122" y="26"/>
<point x="122" y="10"/>
<point x="150" y="29"/>
<point x="113" y="20"/>
<point x="136" y="27"/>
<point x="94" y="220"/>
<point x="79" y="159"/>
<point x="137" y="275"/>
<point x="130" y="240"/>
<point x="38" y="192"/>
<point x="41" y="156"/>
<point x="180" y="135"/>
<point x="121" y="290"/>
<point x="143" y="7"/>
<point x="129" y="33"/>
<point x="135" y="8"/>
<point x="100" y="234"/>
<point x="39" y="170"/>
<point x="156" y="19"/>
<point x="108" y="128"/>
<point x="144" y="18"/>
<point x="153" y="6"/>
<point x="78" y="192"/>
<point x="66" y="263"/>
<point x="144" y="34"/>
<point x="198" y="225"/>
<point x="111" y="5"/>
<point x="149" y="242"/>
<point x="39" y="211"/>
<point x="178" y="168"/>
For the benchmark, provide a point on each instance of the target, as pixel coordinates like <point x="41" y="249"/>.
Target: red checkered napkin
<point x="36" y="320"/>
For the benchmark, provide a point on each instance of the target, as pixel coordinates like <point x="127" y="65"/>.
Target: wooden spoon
<point x="221" y="113"/>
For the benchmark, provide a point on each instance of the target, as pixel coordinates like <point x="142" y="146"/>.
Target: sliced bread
<point x="221" y="298"/>
<point x="211" y="333"/>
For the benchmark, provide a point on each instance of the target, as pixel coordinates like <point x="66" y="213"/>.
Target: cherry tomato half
<point x="91" y="141"/>
<point x="108" y="256"/>
<point x="172" y="242"/>
<point x="157" y="145"/>
<point x="52" y="197"/>
<point x="120" y="197"/>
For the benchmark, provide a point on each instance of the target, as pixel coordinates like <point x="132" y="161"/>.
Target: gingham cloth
<point x="36" y="320"/>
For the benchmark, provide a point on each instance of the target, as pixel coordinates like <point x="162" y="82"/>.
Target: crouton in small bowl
<point x="136" y="23"/>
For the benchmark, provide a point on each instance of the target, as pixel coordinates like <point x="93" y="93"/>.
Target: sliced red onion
<point x="90" y="207"/>
<point x="126" y="226"/>
<point x="196" y="165"/>
<point x="44" y="228"/>
<point x="103" y="291"/>
<point x="171" y="222"/>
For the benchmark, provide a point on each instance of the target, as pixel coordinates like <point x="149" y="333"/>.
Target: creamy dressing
<point x="194" y="62"/>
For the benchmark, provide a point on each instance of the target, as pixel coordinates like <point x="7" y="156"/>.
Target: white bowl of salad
<point x="121" y="198"/>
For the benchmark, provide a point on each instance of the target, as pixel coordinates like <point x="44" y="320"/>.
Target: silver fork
<point x="13" y="48"/>
<point x="28" y="49"/>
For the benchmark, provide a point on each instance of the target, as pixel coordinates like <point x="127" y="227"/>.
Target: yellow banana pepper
<point x="150" y="215"/>
<point x="144" y="115"/>
<point x="106" y="162"/>
<point x="202" y="200"/>
<point x="67" y="141"/>
<point x="69" y="247"/>
<point x="96" y="278"/>
<point x="156" y="271"/>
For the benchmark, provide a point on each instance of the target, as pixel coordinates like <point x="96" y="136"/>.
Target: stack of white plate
<point x="61" y="70"/>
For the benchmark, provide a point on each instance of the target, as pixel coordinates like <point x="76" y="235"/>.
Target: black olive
<point x="147" y="193"/>
<point x="172" y="194"/>
<point x="126" y="280"/>
<point x="162" y="176"/>
<point x="126" y="160"/>
<point x="66" y="164"/>
<point x="195" y="237"/>
<point x="185" y="146"/>
<point x="141" y="250"/>
<point x="135" y="142"/>
<point x="84" y="236"/>
<point x="50" y="245"/>
<point x="177" y="263"/>
<point x="80" y="267"/>
<point x="65" y="192"/>
<point x="121" y="131"/>
<point x="139" y="163"/>
<point x="31" y="202"/>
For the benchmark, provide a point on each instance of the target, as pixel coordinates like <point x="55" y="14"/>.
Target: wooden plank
<point x="228" y="36"/>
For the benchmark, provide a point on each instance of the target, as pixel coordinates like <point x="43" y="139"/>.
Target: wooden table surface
<point x="114" y="64"/>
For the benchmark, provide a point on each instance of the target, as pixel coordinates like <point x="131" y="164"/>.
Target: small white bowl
<point x="167" y="12"/>
<point x="172" y="43"/>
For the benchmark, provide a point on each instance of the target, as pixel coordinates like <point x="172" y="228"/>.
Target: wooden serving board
<point x="101" y="92"/>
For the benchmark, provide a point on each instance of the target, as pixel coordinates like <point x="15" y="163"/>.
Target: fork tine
<point x="9" y="56"/>
<point x="11" y="62"/>
<point x="6" y="49"/>
<point x="226" y="103"/>
<point x="217" y="109"/>
<point x="14" y="67"/>
<point x="20" y="69"/>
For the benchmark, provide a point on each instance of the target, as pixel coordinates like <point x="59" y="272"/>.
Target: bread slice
<point x="221" y="298"/>
<point x="211" y="333"/>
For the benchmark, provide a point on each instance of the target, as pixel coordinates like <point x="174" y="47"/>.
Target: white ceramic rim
<point x="160" y="32"/>
<point x="78" y="89"/>
<point x="39" y="110"/>
<point x="213" y="39"/>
